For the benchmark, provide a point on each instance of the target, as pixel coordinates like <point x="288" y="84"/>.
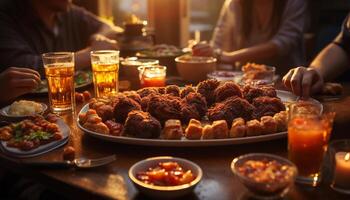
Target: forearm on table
<point x="110" y="31"/>
<point x="82" y="58"/>
<point x="331" y="62"/>
<point x="251" y="54"/>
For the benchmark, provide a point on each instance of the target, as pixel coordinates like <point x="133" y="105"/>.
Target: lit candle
<point x="342" y="170"/>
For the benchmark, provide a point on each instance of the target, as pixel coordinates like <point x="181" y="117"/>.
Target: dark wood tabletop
<point x="112" y="182"/>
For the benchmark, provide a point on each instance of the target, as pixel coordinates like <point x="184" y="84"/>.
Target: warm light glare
<point x="347" y="157"/>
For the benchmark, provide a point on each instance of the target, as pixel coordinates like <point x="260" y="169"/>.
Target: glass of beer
<point x="105" y="69"/>
<point x="59" y="71"/>
<point x="308" y="136"/>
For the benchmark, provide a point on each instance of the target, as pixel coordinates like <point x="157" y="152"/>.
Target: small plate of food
<point x="33" y="136"/>
<point x="23" y="108"/>
<point x="165" y="177"/>
<point x="266" y="176"/>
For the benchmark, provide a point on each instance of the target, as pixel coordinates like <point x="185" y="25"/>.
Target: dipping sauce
<point x="266" y="171"/>
<point x="166" y="174"/>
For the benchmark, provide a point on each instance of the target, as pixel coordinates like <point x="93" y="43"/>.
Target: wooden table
<point x="112" y="182"/>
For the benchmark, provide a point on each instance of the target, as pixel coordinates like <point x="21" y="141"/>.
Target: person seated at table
<point x="32" y="27"/>
<point x="329" y="64"/>
<point x="265" y="31"/>
<point x="16" y="81"/>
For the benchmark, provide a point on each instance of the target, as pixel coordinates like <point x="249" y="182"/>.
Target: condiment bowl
<point x="260" y="189"/>
<point x="165" y="192"/>
<point x="195" y="68"/>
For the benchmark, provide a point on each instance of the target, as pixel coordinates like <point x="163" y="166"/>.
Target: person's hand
<point x="203" y="49"/>
<point x="303" y="81"/>
<point x="101" y="42"/>
<point x="15" y="82"/>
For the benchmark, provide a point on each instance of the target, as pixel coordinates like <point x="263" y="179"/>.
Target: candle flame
<point x="347" y="157"/>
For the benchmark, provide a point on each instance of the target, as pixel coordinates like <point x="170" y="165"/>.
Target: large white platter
<point x="285" y="96"/>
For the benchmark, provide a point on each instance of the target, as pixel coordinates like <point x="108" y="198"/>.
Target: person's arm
<point x="98" y="35"/>
<point x="251" y="54"/>
<point x="331" y="62"/>
<point x="14" y="50"/>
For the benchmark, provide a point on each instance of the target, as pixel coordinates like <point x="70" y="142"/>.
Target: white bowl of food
<point x="165" y="177"/>
<point x="23" y="108"/>
<point x="266" y="176"/>
<point x="195" y="68"/>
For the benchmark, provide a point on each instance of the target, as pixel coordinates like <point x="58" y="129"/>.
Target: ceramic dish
<point x="15" y="152"/>
<point x="261" y="189"/>
<point x="165" y="192"/>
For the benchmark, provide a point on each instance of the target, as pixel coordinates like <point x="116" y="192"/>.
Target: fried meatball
<point x="147" y="91"/>
<point x="142" y="125"/>
<point x="161" y="90"/>
<point x="164" y="107"/>
<point x="123" y="106"/>
<point x="172" y="90"/>
<point x="133" y="95"/>
<point x="106" y="112"/>
<point x="197" y="100"/>
<point x="207" y="88"/>
<point x="251" y="92"/>
<point x="189" y="112"/>
<point x="185" y="91"/>
<point x="228" y="89"/>
<point x="230" y="109"/>
<point x="267" y="106"/>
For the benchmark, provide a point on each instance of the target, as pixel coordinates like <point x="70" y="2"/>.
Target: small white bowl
<point x="165" y="192"/>
<point x="4" y="112"/>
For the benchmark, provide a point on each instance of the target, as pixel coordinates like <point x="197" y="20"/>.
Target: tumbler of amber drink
<point x="308" y="135"/>
<point x="59" y="71"/>
<point x="105" y="69"/>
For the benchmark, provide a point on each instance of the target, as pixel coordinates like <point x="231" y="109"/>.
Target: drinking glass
<point x="59" y="71"/>
<point x="308" y="136"/>
<point x="105" y="69"/>
<point x="152" y="76"/>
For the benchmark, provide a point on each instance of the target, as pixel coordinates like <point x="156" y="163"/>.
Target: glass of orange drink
<point x="152" y="75"/>
<point x="105" y="70"/>
<point x="59" y="71"/>
<point x="308" y="136"/>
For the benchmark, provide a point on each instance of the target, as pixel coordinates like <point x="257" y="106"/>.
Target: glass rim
<point x="57" y="55"/>
<point x="104" y="52"/>
<point x="152" y="66"/>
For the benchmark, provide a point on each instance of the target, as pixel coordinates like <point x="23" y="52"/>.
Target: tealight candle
<point x="342" y="170"/>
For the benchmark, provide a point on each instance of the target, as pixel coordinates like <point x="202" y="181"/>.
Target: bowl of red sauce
<point x="266" y="176"/>
<point x="165" y="177"/>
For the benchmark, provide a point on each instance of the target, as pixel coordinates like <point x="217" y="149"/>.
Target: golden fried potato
<point x="194" y="130"/>
<point x="238" y="128"/>
<point x="99" y="127"/>
<point x="254" y="128"/>
<point x="208" y="132"/>
<point x="281" y="121"/>
<point x="220" y="129"/>
<point x="172" y="130"/>
<point x="269" y="124"/>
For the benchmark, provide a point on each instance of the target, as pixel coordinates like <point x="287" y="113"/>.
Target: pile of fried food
<point x="206" y="111"/>
<point x="30" y="133"/>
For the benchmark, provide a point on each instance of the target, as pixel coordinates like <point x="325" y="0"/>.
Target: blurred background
<point x="176" y="21"/>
